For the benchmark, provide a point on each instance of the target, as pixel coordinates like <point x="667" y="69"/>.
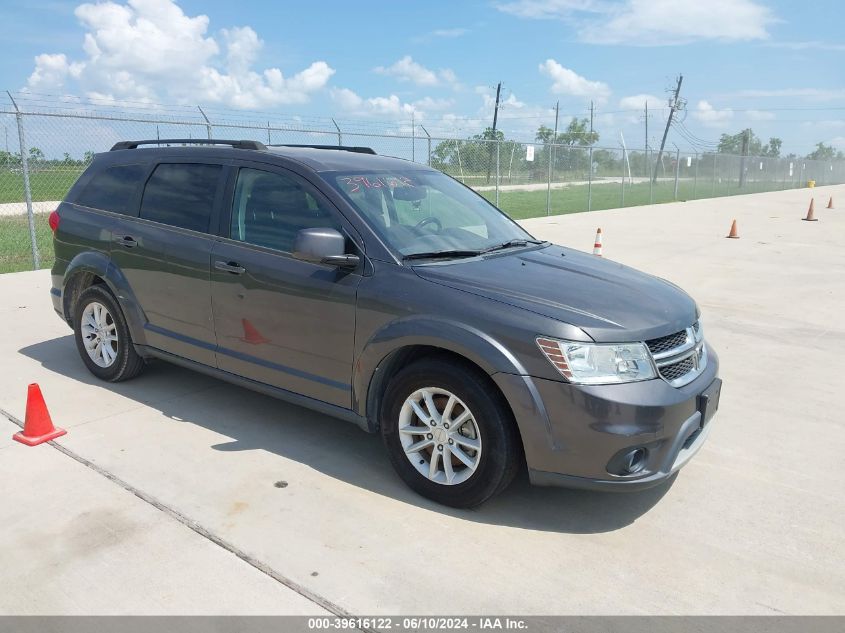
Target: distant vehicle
<point x="386" y="293"/>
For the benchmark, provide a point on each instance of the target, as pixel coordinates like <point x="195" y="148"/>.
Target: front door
<point x="279" y="320"/>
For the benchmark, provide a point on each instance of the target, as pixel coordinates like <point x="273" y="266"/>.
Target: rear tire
<point x="102" y="336"/>
<point x="470" y="436"/>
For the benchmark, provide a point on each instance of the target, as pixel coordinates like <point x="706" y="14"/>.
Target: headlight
<point x="598" y="363"/>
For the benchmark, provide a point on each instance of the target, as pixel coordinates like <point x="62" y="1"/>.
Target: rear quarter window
<point x="113" y="189"/>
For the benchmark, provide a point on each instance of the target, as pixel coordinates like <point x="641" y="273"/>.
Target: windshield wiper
<point x="511" y="244"/>
<point x="443" y="254"/>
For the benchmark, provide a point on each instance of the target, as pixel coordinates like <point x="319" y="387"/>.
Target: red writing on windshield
<point x="354" y="183"/>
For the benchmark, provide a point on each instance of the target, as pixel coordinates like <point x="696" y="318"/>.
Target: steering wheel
<point x="430" y="220"/>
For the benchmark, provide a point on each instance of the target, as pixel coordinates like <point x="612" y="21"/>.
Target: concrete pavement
<point x="753" y="525"/>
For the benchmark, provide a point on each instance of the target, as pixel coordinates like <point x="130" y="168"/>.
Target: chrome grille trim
<point x="683" y="363"/>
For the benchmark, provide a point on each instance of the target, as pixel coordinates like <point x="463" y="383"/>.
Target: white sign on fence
<point x="529" y="152"/>
<point x="689" y="161"/>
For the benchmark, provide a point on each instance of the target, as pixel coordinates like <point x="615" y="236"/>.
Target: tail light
<point x="53" y="220"/>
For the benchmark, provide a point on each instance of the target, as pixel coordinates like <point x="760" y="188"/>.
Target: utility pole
<point x="495" y="123"/>
<point x="674" y="106"/>
<point x="551" y="159"/>
<point x="746" y="139"/>
<point x="647" y="162"/>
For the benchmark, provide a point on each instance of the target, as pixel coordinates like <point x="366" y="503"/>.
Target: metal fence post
<point x="590" y="181"/>
<point x="207" y="122"/>
<point x="650" y="179"/>
<point x="36" y="260"/>
<point x="498" y="144"/>
<point x="339" y="133"/>
<point x="549" y="183"/>
<point x="695" y="176"/>
<point x="713" y="188"/>
<point x="510" y="164"/>
<point x="677" y="169"/>
<point x="460" y="165"/>
<point x="428" y="136"/>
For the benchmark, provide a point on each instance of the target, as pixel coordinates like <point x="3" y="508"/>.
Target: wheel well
<point x="409" y="354"/>
<point x="78" y="284"/>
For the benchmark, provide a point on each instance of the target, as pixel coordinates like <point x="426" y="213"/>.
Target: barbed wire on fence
<point x="48" y="143"/>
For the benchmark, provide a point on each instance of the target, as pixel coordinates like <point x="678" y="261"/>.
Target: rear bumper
<point x="58" y="304"/>
<point x="574" y="435"/>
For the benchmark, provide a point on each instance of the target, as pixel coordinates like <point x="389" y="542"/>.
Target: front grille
<point x="680" y="357"/>
<point x="665" y="343"/>
<point x="676" y="370"/>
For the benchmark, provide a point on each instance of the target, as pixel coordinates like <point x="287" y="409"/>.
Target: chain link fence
<point x="46" y="149"/>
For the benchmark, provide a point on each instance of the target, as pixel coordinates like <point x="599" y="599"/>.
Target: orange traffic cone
<point x="37" y="427"/>
<point x="734" y="234"/>
<point x="597" y="244"/>
<point x="830" y="203"/>
<point x="251" y="334"/>
<point x="810" y="213"/>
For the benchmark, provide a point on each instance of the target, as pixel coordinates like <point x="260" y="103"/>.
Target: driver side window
<point x="269" y="209"/>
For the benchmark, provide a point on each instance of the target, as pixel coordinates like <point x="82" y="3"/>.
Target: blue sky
<point x="775" y="66"/>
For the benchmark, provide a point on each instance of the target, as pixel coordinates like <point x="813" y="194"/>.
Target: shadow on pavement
<point x="339" y="449"/>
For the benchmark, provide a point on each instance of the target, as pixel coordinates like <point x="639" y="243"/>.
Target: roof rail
<point x="188" y="141"/>
<point x="343" y="148"/>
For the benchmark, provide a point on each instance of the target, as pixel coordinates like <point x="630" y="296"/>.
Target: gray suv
<point x="388" y="294"/>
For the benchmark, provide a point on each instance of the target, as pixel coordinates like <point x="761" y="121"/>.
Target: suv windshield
<point x="420" y="213"/>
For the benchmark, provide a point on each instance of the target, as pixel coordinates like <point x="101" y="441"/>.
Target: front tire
<point x="449" y="432"/>
<point x="102" y="336"/>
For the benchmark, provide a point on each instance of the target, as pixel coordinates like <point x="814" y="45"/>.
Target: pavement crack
<point x="204" y="532"/>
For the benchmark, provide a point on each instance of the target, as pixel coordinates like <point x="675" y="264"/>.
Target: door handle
<point x="126" y="240"/>
<point x="230" y="267"/>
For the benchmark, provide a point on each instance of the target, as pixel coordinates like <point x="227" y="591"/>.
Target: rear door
<point x="164" y="254"/>
<point x="280" y="320"/>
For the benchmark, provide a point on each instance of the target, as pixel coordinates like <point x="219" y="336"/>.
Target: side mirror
<point x="323" y="246"/>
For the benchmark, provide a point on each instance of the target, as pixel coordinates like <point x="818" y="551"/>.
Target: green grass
<point x="521" y="205"/>
<point x="47" y="184"/>
<point x="15" y="252"/>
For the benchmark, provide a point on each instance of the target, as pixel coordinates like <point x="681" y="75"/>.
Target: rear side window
<point x="112" y="189"/>
<point x="181" y="194"/>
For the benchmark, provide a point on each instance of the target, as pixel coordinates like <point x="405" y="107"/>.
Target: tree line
<point x="38" y="159"/>
<point x="569" y="150"/>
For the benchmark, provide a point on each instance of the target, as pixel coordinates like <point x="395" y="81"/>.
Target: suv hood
<point x="609" y="301"/>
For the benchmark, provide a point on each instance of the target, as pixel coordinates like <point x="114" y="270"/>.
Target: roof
<point x="316" y="157"/>
<point x="341" y="160"/>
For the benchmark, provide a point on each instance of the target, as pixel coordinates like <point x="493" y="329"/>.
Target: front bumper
<point x="573" y="435"/>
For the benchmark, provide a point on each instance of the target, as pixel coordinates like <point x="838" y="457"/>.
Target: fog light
<point x="634" y="461"/>
<point x="629" y="461"/>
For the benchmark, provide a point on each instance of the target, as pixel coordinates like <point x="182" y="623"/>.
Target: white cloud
<point x="651" y="22"/>
<point x="406" y="69"/>
<point x="391" y="106"/>
<point x="568" y="82"/>
<point x="429" y="103"/>
<point x="150" y="50"/>
<point x="711" y="116"/>
<point x="637" y="102"/>
<point x="51" y="71"/>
